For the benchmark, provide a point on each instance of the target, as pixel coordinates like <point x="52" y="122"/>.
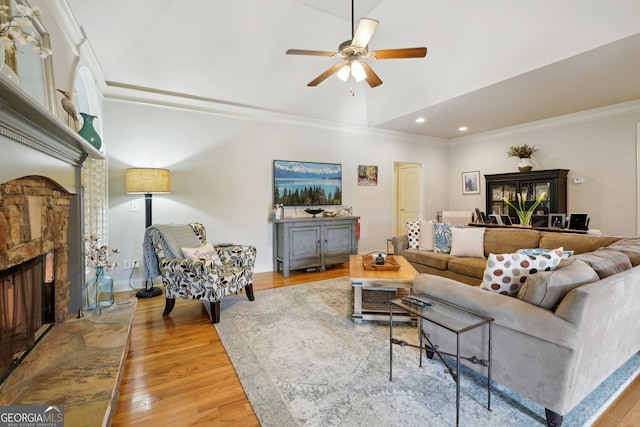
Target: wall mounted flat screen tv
<point x="306" y="183"/>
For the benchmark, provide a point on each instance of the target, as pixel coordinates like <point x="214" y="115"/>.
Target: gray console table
<point x="300" y="243"/>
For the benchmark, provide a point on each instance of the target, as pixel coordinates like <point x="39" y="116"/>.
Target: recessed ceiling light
<point x="463" y="128"/>
<point x="420" y="120"/>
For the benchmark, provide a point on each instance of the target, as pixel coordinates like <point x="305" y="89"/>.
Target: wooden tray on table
<point x="390" y="264"/>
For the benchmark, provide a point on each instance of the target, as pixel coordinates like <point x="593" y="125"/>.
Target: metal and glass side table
<point x="453" y="318"/>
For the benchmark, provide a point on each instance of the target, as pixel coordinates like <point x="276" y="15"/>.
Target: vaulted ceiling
<point x="490" y="64"/>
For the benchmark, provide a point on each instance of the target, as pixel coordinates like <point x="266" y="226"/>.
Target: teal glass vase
<point x="88" y="132"/>
<point x="98" y="291"/>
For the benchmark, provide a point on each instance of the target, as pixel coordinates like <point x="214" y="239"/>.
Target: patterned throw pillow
<point x="540" y="251"/>
<point x="506" y="273"/>
<point x="413" y="233"/>
<point x="442" y="237"/>
<point x="203" y="252"/>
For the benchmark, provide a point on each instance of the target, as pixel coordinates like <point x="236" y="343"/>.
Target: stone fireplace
<point x="34" y="215"/>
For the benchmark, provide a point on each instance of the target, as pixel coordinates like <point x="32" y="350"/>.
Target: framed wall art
<point x="306" y="183"/>
<point x="367" y="175"/>
<point x="471" y="182"/>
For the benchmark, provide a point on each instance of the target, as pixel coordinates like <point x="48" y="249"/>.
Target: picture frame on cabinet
<point x="505" y="220"/>
<point x="557" y="220"/>
<point x="539" y="220"/>
<point x="471" y="182"/>
<point x="578" y="221"/>
<point x="494" y="219"/>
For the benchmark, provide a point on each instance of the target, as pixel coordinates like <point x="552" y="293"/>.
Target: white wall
<point x="599" y="146"/>
<point x="221" y="172"/>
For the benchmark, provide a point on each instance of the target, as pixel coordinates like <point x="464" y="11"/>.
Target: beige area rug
<point x="303" y="362"/>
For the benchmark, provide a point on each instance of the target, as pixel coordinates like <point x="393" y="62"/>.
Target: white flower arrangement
<point x="16" y="27"/>
<point x="98" y="256"/>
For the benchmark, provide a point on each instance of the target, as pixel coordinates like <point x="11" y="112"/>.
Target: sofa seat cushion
<point x="547" y="288"/>
<point x="506" y="273"/>
<point x="606" y="262"/>
<point x="432" y="259"/>
<point x="508" y="240"/>
<point x="578" y="243"/>
<point x="630" y="247"/>
<point x="473" y="267"/>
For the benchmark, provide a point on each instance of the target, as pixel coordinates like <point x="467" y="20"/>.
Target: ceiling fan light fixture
<point x="343" y="73"/>
<point x="357" y="71"/>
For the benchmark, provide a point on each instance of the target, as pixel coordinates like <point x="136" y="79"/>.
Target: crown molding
<point x="138" y="94"/>
<point x="615" y="110"/>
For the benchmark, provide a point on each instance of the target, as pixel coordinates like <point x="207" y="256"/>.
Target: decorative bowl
<point x="314" y="212"/>
<point x="329" y="213"/>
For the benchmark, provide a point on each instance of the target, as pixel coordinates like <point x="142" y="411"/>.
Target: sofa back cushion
<point x="630" y="247"/>
<point x="606" y="262"/>
<point x="508" y="240"/>
<point x="547" y="288"/>
<point x="578" y="243"/>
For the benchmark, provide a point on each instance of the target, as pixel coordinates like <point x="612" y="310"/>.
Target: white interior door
<point x="408" y="196"/>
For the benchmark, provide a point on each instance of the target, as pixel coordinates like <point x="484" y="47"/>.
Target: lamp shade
<point x="147" y="180"/>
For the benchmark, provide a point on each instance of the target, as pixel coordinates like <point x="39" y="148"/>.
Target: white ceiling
<point x="490" y="64"/>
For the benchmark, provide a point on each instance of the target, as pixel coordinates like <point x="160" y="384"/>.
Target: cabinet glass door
<point x="499" y="191"/>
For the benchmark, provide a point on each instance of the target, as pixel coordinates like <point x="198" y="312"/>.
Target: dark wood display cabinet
<point x="530" y="185"/>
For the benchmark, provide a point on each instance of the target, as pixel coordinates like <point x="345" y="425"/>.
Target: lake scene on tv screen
<point x="307" y="183"/>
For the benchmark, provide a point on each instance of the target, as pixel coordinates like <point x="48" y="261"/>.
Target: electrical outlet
<point x="135" y="263"/>
<point x="126" y="264"/>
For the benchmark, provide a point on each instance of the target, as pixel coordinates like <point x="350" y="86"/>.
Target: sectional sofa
<point x="565" y="330"/>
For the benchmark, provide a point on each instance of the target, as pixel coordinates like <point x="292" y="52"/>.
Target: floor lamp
<point x="147" y="181"/>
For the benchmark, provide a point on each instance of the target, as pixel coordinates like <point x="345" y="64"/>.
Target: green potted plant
<point x="524" y="153"/>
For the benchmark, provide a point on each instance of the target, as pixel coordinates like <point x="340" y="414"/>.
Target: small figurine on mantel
<point x="67" y="105"/>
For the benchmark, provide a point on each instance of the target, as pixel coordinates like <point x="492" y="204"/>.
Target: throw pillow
<point x="467" y="242"/>
<point x="442" y="237"/>
<point x="506" y="273"/>
<point x="426" y="236"/>
<point x="539" y="251"/>
<point x="413" y="233"/>
<point x="606" y="262"/>
<point x="546" y="289"/>
<point x="203" y="252"/>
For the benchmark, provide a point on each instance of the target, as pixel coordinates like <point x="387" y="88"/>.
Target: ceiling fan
<point x="353" y="51"/>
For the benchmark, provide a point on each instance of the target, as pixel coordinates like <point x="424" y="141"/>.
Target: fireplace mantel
<point x="33" y="127"/>
<point x="34" y="142"/>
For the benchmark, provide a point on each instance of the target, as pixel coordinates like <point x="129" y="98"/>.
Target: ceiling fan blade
<point x="372" y="78"/>
<point x="323" y="76"/>
<point x="309" y="52"/>
<point x="364" y="32"/>
<point x="411" y="52"/>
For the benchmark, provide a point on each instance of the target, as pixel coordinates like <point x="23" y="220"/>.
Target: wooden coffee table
<point x="373" y="289"/>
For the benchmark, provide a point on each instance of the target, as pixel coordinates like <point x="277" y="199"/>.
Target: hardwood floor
<point x="177" y="372"/>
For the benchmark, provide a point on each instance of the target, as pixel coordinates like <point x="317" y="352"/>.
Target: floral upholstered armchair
<point x="191" y="269"/>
